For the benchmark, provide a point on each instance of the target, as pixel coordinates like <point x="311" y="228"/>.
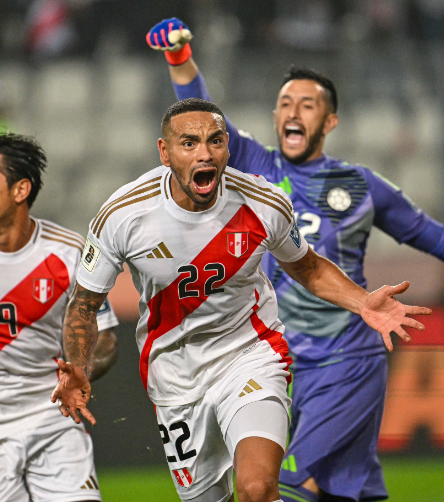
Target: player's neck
<point x="15" y="233"/>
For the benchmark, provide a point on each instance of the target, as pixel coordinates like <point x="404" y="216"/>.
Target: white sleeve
<point x="99" y="266"/>
<point x="289" y="245"/>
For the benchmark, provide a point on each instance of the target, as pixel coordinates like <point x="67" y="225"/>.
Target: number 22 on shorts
<point x="165" y="436"/>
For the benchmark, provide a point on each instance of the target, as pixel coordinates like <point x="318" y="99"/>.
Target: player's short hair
<point x="23" y="158"/>
<point x="189" y="105"/>
<point x="294" y="73"/>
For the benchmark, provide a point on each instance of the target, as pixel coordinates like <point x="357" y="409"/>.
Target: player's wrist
<point x="177" y="58"/>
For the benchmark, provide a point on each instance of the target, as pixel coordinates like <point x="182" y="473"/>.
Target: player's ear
<point x="274" y="119"/>
<point x="163" y="152"/>
<point x="21" y="190"/>
<point x="330" y="123"/>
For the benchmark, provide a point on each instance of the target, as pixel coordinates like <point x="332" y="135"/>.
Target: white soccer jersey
<point x="203" y="296"/>
<point x="36" y="283"/>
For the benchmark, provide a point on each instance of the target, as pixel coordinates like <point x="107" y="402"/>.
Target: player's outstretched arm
<point x="172" y="36"/>
<point x="79" y="340"/>
<point x="379" y="309"/>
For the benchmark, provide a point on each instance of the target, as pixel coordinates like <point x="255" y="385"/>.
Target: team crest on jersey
<point x="90" y="255"/>
<point x="43" y="289"/>
<point x="183" y="477"/>
<point x="237" y="243"/>
<point x="339" y="199"/>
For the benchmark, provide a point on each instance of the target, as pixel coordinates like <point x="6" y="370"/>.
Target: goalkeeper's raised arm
<point x="172" y="37"/>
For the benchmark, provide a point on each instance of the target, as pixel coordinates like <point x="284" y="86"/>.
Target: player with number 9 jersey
<point x="37" y="281"/>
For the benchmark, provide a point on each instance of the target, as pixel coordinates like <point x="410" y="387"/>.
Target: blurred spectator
<point x="50" y="30"/>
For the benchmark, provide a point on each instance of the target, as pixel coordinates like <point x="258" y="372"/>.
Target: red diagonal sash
<point x="27" y="308"/>
<point x="167" y="311"/>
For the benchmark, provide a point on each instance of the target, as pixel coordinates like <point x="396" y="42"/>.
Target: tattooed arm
<point x="79" y="341"/>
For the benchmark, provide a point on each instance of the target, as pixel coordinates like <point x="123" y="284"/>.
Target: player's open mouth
<point x="204" y="180"/>
<point x="293" y="134"/>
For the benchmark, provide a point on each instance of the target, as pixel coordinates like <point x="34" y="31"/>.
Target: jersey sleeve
<point x="285" y="242"/>
<point x="397" y="215"/>
<point x="100" y="264"/>
<point x="246" y="154"/>
<point x="291" y="245"/>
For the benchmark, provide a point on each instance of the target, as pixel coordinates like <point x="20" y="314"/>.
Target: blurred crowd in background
<point x="43" y="29"/>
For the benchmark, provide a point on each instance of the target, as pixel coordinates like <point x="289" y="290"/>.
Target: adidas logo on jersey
<point x="161" y="251"/>
<point x="90" y="484"/>
<point x="250" y="387"/>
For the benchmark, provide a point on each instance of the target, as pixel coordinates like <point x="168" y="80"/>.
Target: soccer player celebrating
<point x="42" y="457"/>
<point x="339" y="362"/>
<point x="212" y="357"/>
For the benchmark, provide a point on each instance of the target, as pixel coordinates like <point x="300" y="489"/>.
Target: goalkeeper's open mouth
<point x="294" y="135"/>
<point x="204" y="180"/>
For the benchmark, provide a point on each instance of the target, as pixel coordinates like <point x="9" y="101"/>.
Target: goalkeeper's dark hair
<point x="294" y="73"/>
<point x="22" y="158"/>
<point x="189" y="105"/>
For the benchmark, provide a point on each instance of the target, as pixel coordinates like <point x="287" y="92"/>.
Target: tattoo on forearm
<point x="80" y="326"/>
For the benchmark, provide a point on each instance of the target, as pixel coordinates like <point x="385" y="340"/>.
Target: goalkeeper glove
<point x="171" y="36"/>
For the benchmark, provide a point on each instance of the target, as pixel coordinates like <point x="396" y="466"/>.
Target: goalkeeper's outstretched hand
<point x="171" y="36"/>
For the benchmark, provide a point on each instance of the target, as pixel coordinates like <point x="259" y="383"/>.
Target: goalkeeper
<point x="340" y="367"/>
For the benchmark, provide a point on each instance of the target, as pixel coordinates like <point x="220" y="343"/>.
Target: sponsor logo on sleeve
<point x="90" y="256"/>
<point x="295" y="235"/>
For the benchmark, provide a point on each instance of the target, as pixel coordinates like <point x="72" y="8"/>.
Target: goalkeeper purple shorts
<point x="336" y="416"/>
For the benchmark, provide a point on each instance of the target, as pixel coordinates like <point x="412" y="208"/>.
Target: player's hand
<point x="385" y="314"/>
<point x="169" y="35"/>
<point x="73" y="392"/>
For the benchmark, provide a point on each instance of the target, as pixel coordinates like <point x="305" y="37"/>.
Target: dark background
<point x="126" y="432"/>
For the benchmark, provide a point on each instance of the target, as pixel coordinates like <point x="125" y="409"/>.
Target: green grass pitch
<point x="408" y="480"/>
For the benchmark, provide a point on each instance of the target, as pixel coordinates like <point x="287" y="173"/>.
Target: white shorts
<point x="49" y="463"/>
<point x="200" y="438"/>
